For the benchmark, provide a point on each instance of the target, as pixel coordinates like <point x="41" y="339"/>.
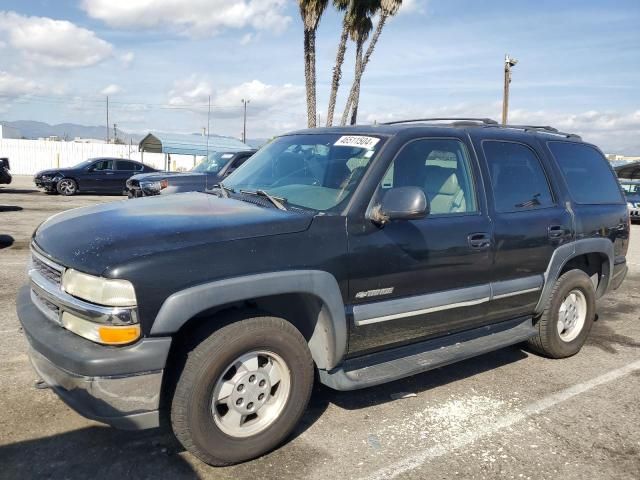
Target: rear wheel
<point x="242" y="391"/>
<point x="67" y="186"/>
<point x="565" y="324"/>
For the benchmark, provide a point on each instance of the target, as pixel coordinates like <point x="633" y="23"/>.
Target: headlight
<point x="154" y="187"/>
<point x="103" y="291"/>
<point x="101" y="333"/>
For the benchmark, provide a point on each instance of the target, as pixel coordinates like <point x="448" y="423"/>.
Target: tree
<point x="311" y="11"/>
<point x="347" y="7"/>
<point x="387" y="9"/>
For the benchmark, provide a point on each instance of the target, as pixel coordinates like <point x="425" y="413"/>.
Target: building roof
<point x="629" y="171"/>
<point x="189" y="144"/>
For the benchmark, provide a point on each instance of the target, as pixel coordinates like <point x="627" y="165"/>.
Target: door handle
<point x="479" y="241"/>
<point x="555" y="231"/>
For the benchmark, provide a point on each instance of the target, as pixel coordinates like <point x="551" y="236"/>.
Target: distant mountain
<point x="32" y="130"/>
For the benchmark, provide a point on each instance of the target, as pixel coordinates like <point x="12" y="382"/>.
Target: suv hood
<point x="94" y="238"/>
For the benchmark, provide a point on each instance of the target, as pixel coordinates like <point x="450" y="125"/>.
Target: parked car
<point x="361" y="254"/>
<point x="98" y="175"/>
<point x="5" y="174"/>
<point x="631" y="190"/>
<point x="209" y="172"/>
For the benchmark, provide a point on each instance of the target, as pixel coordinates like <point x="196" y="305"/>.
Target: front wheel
<point x="242" y="390"/>
<point x="67" y="186"/>
<point x="564" y="325"/>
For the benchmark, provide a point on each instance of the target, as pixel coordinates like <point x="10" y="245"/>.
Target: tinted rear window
<point x="587" y="173"/>
<point x="518" y="180"/>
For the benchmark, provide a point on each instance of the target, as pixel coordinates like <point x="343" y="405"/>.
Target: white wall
<point x="9" y="132"/>
<point x="27" y="157"/>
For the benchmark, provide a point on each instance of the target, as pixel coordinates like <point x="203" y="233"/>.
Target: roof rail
<point x="485" y="121"/>
<point x="545" y="128"/>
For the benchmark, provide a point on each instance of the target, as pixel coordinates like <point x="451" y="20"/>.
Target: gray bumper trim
<point x="127" y="402"/>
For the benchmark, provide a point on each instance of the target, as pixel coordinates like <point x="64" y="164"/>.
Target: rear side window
<point x="587" y="173"/>
<point x="517" y="179"/>
<point x="127" y="166"/>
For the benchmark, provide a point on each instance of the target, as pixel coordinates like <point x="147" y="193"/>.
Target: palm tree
<point x="311" y="11"/>
<point x="388" y="8"/>
<point x="347" y="7"/>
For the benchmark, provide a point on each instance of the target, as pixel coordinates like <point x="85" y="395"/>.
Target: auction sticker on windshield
<point x="357" y="141"/>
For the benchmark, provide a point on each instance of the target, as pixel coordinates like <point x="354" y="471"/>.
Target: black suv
<point x="5" y="174"/>
<point x="365" y="254"/>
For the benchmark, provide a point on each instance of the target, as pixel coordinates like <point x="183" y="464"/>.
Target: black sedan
<point x="5" y="175"/>
<point x="205" y="175"/>
<point x="98" y="175"/>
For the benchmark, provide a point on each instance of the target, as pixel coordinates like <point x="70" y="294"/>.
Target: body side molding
<point x="328" y="343"/>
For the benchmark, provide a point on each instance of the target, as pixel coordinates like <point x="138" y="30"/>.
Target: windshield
<point x="319" y="172"/>
<point x="631" y="188"/>
<point x="85" y="163"/>
<point x="213" y="163"/>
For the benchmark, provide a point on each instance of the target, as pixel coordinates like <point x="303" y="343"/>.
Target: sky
<point x="160" y="60"/>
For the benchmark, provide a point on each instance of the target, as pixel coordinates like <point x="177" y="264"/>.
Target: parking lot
<point x="508" y="414"/>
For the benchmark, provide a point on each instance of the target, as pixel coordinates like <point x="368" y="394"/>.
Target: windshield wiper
<point x="225" y="190"/>
<point x="277" y="201"/>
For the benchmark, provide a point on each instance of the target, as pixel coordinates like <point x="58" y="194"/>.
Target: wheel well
<point x="300" y="309"/>
<point x="590" y="263"/>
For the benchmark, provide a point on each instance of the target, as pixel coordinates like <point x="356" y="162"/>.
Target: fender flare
<point x="566" y="252"/>
<point x="328" y="343"/>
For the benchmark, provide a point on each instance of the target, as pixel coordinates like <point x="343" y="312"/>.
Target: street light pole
<point x="509" y="63"/>
<point x="244" y="128"/>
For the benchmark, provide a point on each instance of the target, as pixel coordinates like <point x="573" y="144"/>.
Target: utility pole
<point x="208" y="124"/>
<point x="107" y="118"/>
<point x="509" y="63"/>
<point x="115" y="133"/>
<point x="244" y="128"/>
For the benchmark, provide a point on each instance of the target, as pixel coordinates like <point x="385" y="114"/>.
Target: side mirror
<point x="401" y="203"/>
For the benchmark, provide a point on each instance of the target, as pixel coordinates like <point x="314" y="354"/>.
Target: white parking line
<point x="470" y="437"/>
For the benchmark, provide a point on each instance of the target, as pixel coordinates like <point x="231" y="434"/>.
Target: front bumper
<point x="120" y="386"/>
<point x="46" y="184"/>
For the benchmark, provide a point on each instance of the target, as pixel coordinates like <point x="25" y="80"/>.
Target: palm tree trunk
<point x="347" y="108"/>
<point x="310" y="75"/>
<point x="354" y="95"/>
<point x="337" y="71"/>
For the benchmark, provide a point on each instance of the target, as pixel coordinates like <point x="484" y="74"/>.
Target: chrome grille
<point x="52" y="274"/>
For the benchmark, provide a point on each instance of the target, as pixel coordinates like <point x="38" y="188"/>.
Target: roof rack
<point x="485" y="121"/>
<point x="546" y="129"/>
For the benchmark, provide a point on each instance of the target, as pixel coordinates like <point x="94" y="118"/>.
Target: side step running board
<point x="381" y="367"/>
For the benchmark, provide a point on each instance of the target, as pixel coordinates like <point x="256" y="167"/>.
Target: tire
<point x="223" y="363"/>
<point x="67" y="187"/>
<point x="577" y="289"/>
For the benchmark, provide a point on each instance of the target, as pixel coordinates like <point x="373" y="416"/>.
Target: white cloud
<point x="111" y="89"/>
<point x="261" y="96"/>
<point x="12" y="86"/>
<point x="246" y="39"/>
<point x="413" y="6"/>
<point x="190" y="92"/>
<point x="127" y="59"/>
<point x="614" y="132"/>
<point x="54" y="43"/>
<point x="193" y="17"/>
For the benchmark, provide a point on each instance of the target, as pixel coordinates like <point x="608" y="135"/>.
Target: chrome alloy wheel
<point x="251" y="393"/>
<point x="572" y="315"/>
<point x="67" y="187"/>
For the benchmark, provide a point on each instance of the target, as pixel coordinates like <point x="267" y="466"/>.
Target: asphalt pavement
<point x="509" y="414"/>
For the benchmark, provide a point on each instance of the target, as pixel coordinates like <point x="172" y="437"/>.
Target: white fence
<point x="27" y="157"/>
